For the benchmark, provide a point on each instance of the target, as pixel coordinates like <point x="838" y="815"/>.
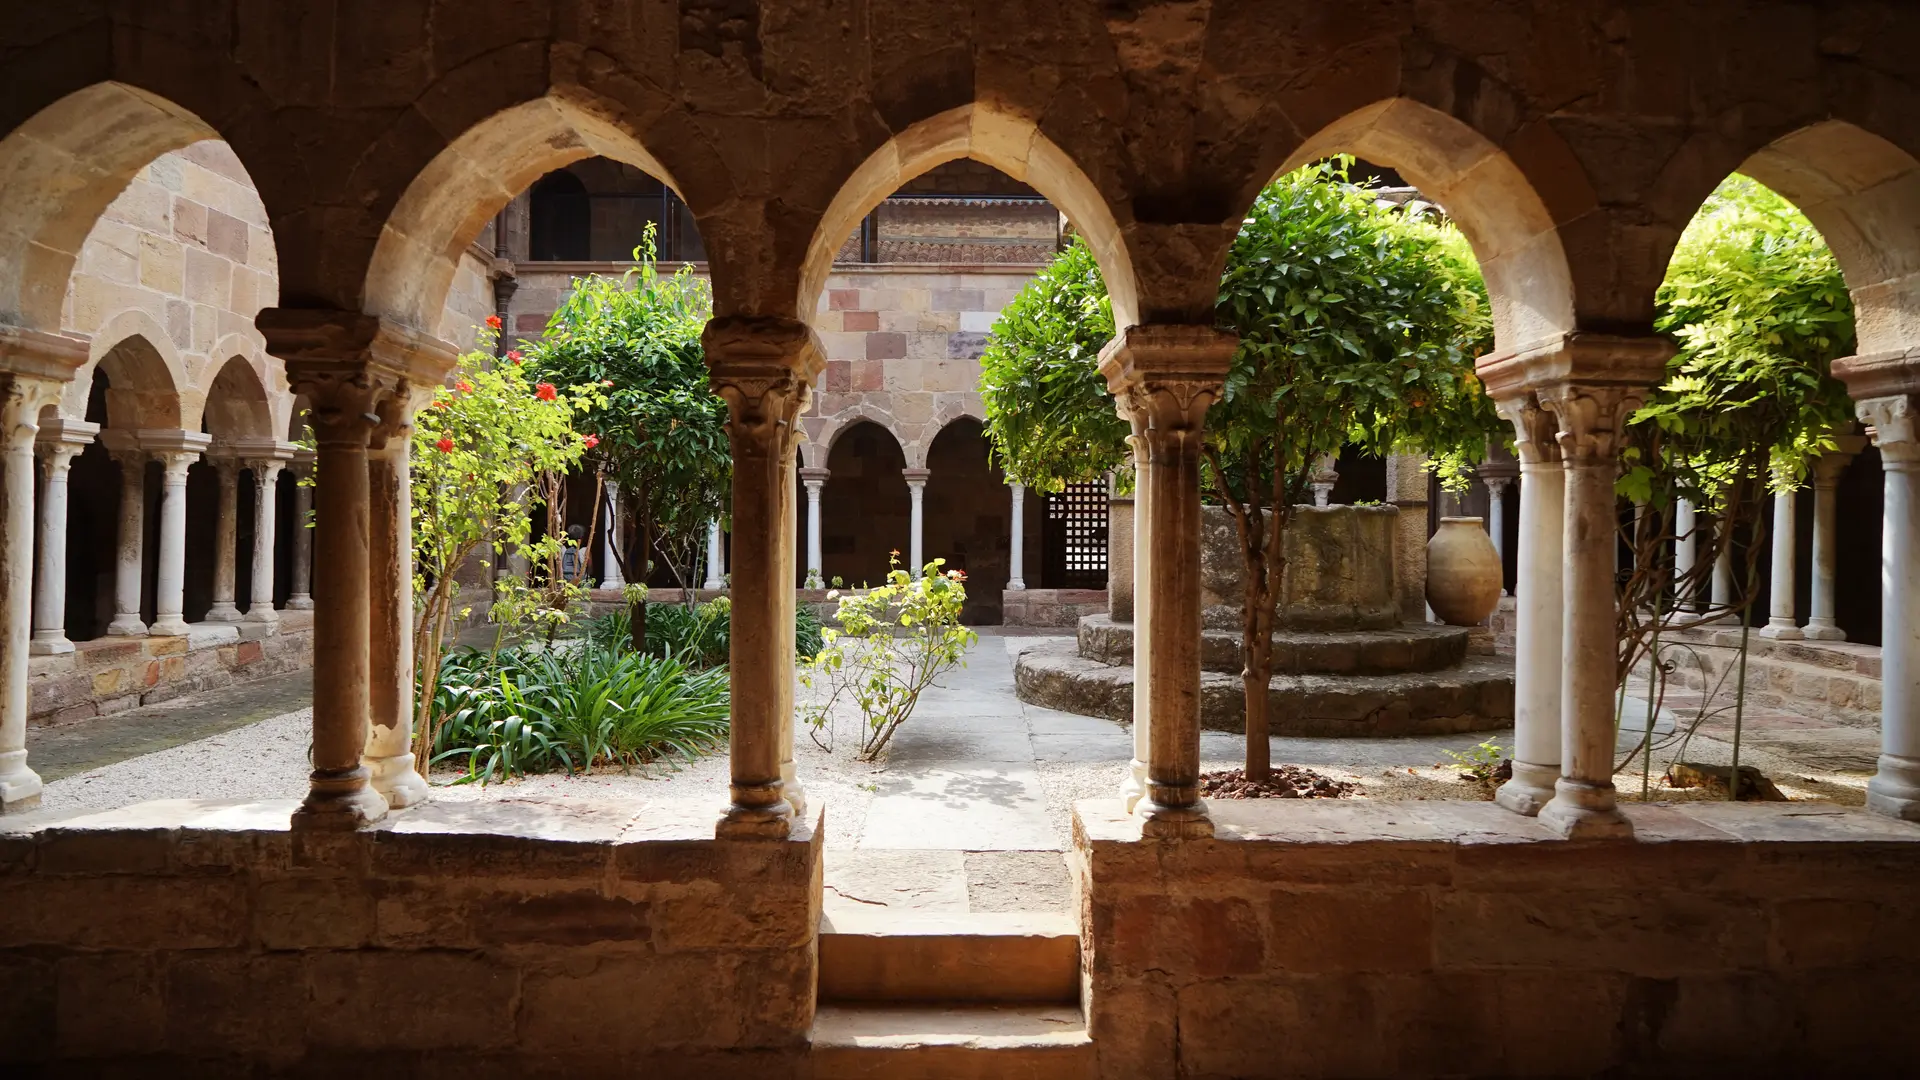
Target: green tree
<point x="662" y="430"/>
<point x="1358" y="324"/>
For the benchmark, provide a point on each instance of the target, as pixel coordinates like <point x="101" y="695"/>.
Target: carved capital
<point x="763" y="368"/>
<point x="1896" y="427"/>
<point x="356" y="370"/>
<point x="1534" y="429"/>
<point x="1591" y="418"/>
<point x="1166" y="377"/>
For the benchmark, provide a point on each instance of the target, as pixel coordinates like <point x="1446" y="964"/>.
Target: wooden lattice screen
<point x="1074" y="538"/>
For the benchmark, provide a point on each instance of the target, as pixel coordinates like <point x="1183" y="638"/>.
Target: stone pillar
<point x="1895" y="787"/>
<point x="762" y="367"/>
<point x="266" y="483"/>
<point x="300" y="594"/>
<point x="1497" y="475"/>
<point x="357" y="371"/>
<point x="37" y="365"/>
<point x="1781" y="623"/>
<point x="61" y="440"/>
<point x="916" y="530"/>
<point x="130" y="553"/>
<point x="816" y="481"/>
<point x="226" y="544"/>
<point x="1325" y="476"/>
<point x="1133" y="787"/>
<point x="1722" y="592"/>
<point x="610" y="577"/>
<point x="391" y="769"/>
<point x="1538" y="587"/>
<point x="1121" y="574"/>
<point x="177" y="451"/>
<point x="789" y="602"/>
<point x="1686" y="547"/>
<point x="716" y="554"/>
<point x="1168" y="376"/>
<point x="1407" y="479"/>
<point x="1017" y="540"/>
<point x="1826" y="481"/>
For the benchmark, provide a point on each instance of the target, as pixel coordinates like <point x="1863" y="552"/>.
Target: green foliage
<point x="1049" y="416"/>
<point x="1481" y="761"/>
<point x="527" y="709"/>
<point x="662" y="430"/>
<point x="893" y="642"/>
<point x="699" y="634"/>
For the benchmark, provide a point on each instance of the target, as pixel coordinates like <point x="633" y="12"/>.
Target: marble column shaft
<point x="266" y="503"/>
<point x="1781" y="623"/>
<point x="130" y="549"/>
<point x="50" y="584"/>
<point x="1017" y="536"/>
<point x="1133" y="787"/>
<point x="1895" y="787"/>
<point x="1538" y="587"/>
<point x="391" y="768"/>
<point x="21" y="400"/>
<point x="1821" y="624"/>
<point x="716" y="555"/>
<point x="1686" y="546"/>
<point x="177" y="454"/>
<point x="916" y="527"/>
<point x="815" y="481"/>
<point x="226" y="543"/>
<point x="610" y="575"/>
<point x="300" y="585"/>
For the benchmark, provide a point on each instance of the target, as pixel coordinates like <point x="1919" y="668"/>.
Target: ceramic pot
<point x="1463" y="572"/>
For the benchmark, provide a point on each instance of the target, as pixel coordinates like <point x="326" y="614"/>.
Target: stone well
<point x="1344" y="663"/>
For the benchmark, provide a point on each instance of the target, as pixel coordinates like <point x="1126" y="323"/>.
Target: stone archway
<point x="967" y="515"/>
<point x="864" y="507"/>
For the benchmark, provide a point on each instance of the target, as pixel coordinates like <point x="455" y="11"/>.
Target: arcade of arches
<point x="1559" y="931"/>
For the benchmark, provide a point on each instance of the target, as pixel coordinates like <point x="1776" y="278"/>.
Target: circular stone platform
<point x="1404" y="648"/>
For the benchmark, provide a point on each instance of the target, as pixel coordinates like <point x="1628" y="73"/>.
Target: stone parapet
<point x="1355" y="939"/>
<point x="188" y="938"/>
<point x="113" y="674"/>
<point x="1050" y="607"/>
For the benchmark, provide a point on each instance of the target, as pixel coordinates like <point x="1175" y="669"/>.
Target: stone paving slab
<point x="61" y="750"/>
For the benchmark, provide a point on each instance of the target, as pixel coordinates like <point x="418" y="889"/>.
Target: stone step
<point x="950" y="1042"/>
<point x="982" y="957"/>
<point x="1408" y="647"/>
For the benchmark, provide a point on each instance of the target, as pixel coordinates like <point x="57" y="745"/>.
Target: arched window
<point x="562" y="219"/>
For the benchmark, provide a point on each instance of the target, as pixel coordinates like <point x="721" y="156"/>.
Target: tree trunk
<point x="637" y="573"/>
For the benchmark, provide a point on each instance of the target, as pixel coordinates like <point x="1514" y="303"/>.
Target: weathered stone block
<point x="311" y="912"/>
<point x="1350" y="930"/>
<point x="1652" y="932"/>
<point x="353" y="993"/>
<point x="109" y="1004"/>
<point x="1184" y="938"/>
<point x="233" y="1003"/>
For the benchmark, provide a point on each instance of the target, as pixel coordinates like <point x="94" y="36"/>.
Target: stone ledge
<point x="1408" y="647"/>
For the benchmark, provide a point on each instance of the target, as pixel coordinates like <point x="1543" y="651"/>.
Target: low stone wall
<point x="113" y="674"/>
<point x="1457" y="939"/>
<point x="1050" y="607"/>
<point x="188" y="938"/>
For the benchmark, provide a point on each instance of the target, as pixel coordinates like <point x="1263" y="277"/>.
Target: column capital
<point x="1895" y="424"/>
<point x="1828" y="466"/>
<point x="915" y="477"/>
<point x="1168" y="374"/>
<point x="175" y="448"/>
<point x="75" y="435"/>
<point x="1879" y="375"/>
<point x="1576" y="357"/>
<point x="1592" y="417"/>
<point x="359" y="372"/>
<point x="39" y="356"/>
<point x="763" y="367"/>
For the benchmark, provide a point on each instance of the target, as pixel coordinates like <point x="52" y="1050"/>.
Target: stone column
<point x="391" y="769"/>
<point x="1781" y="623"/>
<point x="177" y="451"/>
<point x="357" y="371"/>
<point x="1407" y="479"/>
<point x="1017" y="539"/>
<point x="716" y="554"/>
<point x="299" y="593"/>
<point x="610" y="577"/>
<point x="1169" y="375"/>
<point x="1497" y="519"/>
<point x="1538" y="588"/>
<point x="816" y="481"/>
<point x="37" y="366"/>
<point x="762" y="367"/>
<point x="130" y="553"/>
<point x="61" y="439"/>
<point x="1721" y="595"/>
<point x="1134" y="787"/>
<point x="1826" y="558"/>
<point x="1325" y="476"/>
<point x="1895" y="787"/>
<point x="266" y="482"/>
<point x="789" y="602"/>
<point x="916" y="530"/>
<point x="1686" y="547"/>
<point x="226" y="544"/>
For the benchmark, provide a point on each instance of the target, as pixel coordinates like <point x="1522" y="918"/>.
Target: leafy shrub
<point x="699" y="635"/>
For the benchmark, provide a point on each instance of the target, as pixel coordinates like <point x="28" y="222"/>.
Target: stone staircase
<point x="1835" y="680"/>
<point x="980" y="996"/>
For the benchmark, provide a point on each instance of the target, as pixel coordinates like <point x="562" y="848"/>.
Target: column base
<point x="1134" y="787"/>
<point x="755" y="823"/>
<point x="1161" y="822"/>
<point x="613" y="583"/>
<point x="1781" y="631"/>
<point x="19" y="785"/>
<point x="300" y="602"/>
<point x="49" y="643"/>
<point x="169" y="627"/>
<point x="1823" y="630"/>
<point x="1583" y="811"/>
<point x="260" y="616"/>
<point x="125" y="625"/>
<point x="223" y="613"/>
<point x="339" y="801"/>
<point x="397" y="781"/>
<point x="1895" y="788"/>
<point x="1016" y="584"/>
<point x="713" y="584"/>
<point x="1530" y="789"/>
<point x="790" y="787"/>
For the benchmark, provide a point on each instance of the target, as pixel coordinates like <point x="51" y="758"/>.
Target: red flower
<point x="493" y="321"/>
<point x="514" y="355"/>
<point x="445" y="446"/>
<point x="607" y="383"/>
<point x="463" y="386"/>
<point x="439" y="404"/>
<point x="545" y="391"/>
<point x="592" y="441"/>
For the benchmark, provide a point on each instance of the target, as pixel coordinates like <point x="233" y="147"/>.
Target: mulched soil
<point x="1285" y="782"/>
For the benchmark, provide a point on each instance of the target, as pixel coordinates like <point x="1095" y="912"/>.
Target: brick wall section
<point x="186" y="939"/>
<point x="1443" y="938"/>
<point x="1050" y="607"/>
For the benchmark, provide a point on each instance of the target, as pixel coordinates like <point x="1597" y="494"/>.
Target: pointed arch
<point x="1010" y="143"/>
<point x="237" y="405"/>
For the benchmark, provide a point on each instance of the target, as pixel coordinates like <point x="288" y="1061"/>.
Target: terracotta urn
<point x="1463" y="572"/>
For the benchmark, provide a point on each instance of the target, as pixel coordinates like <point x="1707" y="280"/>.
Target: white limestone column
<point x="1017" y="542"/>
<point x="19" y="424"/>
<point x="1895" y="787"/>
<point x="177" y="451"/>
<point x="1537" y="627"/>
<point x="226" y="543"/>
<point x="1497" y="522"/>
<point x="1133" y="787"/>
<point x="716" y="554"/>
<point x="816" y="482"/>
<point x="1686" y="547"/>
<point x="1780" y="620"/>
<point x="266" y="478"/>
<point x="50" y="587"/>
<point x="916" y="546"/>
<point x="388" y="756"/>
<point x="1722" y="594"/>
<point x="1590" y="419"/>
<point x="130" y="554"/>
<point x="610" y="577"/>
<point x="299" y="594"/>
<point x="1826" y="522"/>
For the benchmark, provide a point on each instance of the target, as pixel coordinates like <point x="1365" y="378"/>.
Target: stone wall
<point x="188" y="938"/>
<point x="1050" y="607"/>
<point x="113" y="674"/>
<point x="1451" y="938"/>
